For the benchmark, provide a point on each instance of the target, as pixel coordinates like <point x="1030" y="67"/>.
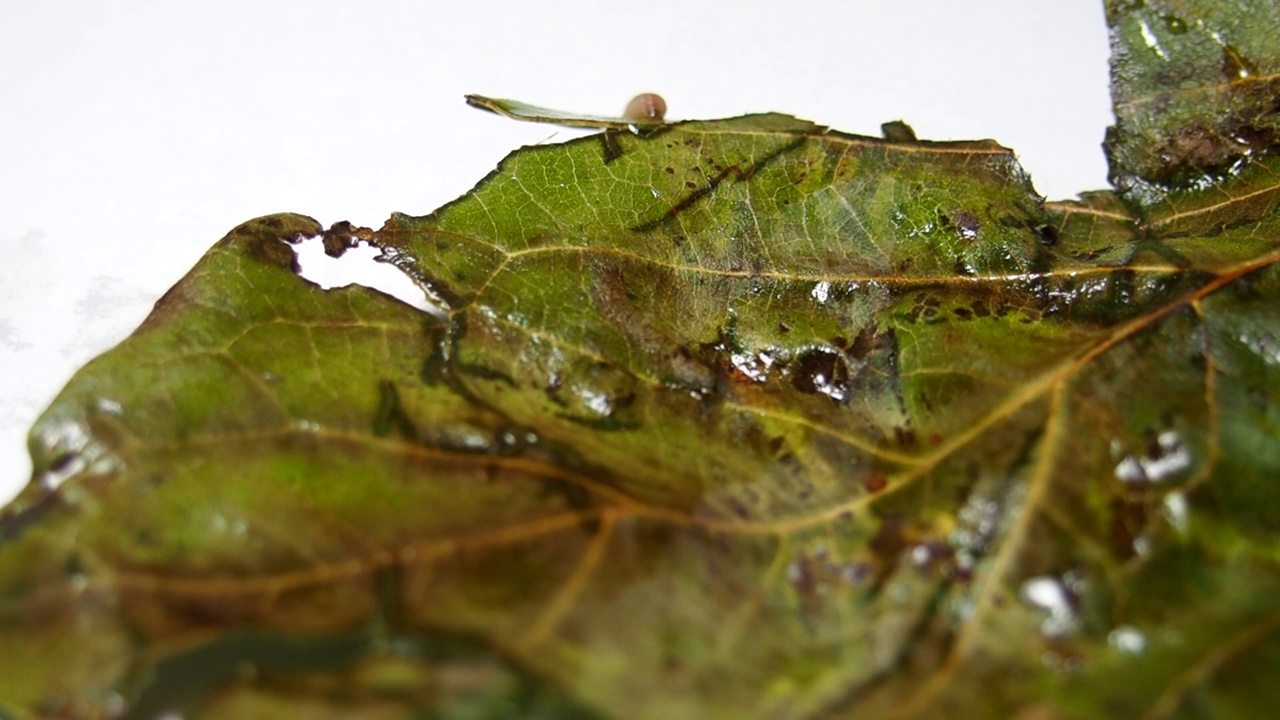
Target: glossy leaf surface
<point x="737" y="418"/>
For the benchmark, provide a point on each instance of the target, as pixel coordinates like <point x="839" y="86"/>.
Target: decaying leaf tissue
<point x="742" y="418"/>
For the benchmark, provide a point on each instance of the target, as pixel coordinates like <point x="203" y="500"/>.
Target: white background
<point x="133" y="135"/>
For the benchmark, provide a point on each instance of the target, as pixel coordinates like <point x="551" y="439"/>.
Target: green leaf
<point x="1194" y="85"/>
<point x="735" y="418"/>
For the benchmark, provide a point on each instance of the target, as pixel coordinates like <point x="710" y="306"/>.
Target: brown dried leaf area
<point x="737" y="418"/>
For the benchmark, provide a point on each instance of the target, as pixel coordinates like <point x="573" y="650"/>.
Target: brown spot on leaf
<point x="342" y="235"/>
<point x="966" y="225"/>
<point x="822" y="371"/>
<point x="1128" y="522"/>
<point x="612" y="148"/>
<point x="905" y="437"/>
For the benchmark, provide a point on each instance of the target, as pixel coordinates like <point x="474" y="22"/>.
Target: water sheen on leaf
<point x="741" y="418"/>
<point x="1194" y="85"/>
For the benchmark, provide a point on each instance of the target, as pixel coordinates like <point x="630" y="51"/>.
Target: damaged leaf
<point x="735" y="418"/>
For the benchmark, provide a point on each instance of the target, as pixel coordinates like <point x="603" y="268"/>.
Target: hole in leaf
<point x="358" y="266"/>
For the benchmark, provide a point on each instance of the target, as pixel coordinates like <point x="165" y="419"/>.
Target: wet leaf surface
<point x="1194" y="85"/>
<point x="736" y="418"/>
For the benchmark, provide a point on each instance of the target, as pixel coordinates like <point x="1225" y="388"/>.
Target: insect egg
<point x="646" y="107"/>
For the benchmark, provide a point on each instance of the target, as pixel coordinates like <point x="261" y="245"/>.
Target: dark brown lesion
<point x="343" y="236"/>
<point x="23" y="513"/>
<point x="612" y="148"/>
<point x="391" y="415"/>
<point x="267" y="238"/>
<point x="1194" y="152"/>
<point x="1213" y="148"/>
<point x="824" y="371"/>
<point x="626" y="309"/>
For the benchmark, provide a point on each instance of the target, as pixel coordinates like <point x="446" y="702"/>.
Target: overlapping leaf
<point x="742" y="418"/>
<point x="1194" y="85"/>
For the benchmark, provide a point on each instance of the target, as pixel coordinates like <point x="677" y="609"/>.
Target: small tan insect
<point x="646" y="107"/>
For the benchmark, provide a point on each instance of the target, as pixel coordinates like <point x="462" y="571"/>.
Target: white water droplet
<point x="1152" y="41"/>
<point x="1176" y="510"/>
<point x="1127" y="639"/>
<point x="1048" y="594"/>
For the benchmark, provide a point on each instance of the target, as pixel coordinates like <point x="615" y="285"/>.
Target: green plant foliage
<point x="741" y="418"/>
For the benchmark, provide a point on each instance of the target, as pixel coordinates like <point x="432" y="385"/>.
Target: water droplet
<point x="921" y="555"/>
<point x="1129" y="470"/>
<point x="108" y="406"/>
<point x="1167" y="458"/>
<point x="64" y="468"/>
<point x="64" y="436"/>
<point x="472" y="441"/>
<point x="1127" y="639"/>
<point x="981" y="514"/>
<point x="753" y="365"/>
<point x="966" y="225"/>
<point x="517" y="319"/>
<point x="1235" y="65"/>
<point x="513" y="441"/>
<point x="1262" y="344"/>
<point x="800" y="574"/>
<point x="1051" y="596"/>
<point x="822" y="371"/>
<point x="1175" y="24"/>
<point x="1152" y="41"/>
<point x="78" y="582"/>
<point x="595" y="401"/>
<point x="855" y="573"/>
<point x="1176" y="510"/>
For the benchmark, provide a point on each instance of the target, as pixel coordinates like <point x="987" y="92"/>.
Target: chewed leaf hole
<point x="358" y="266"/>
